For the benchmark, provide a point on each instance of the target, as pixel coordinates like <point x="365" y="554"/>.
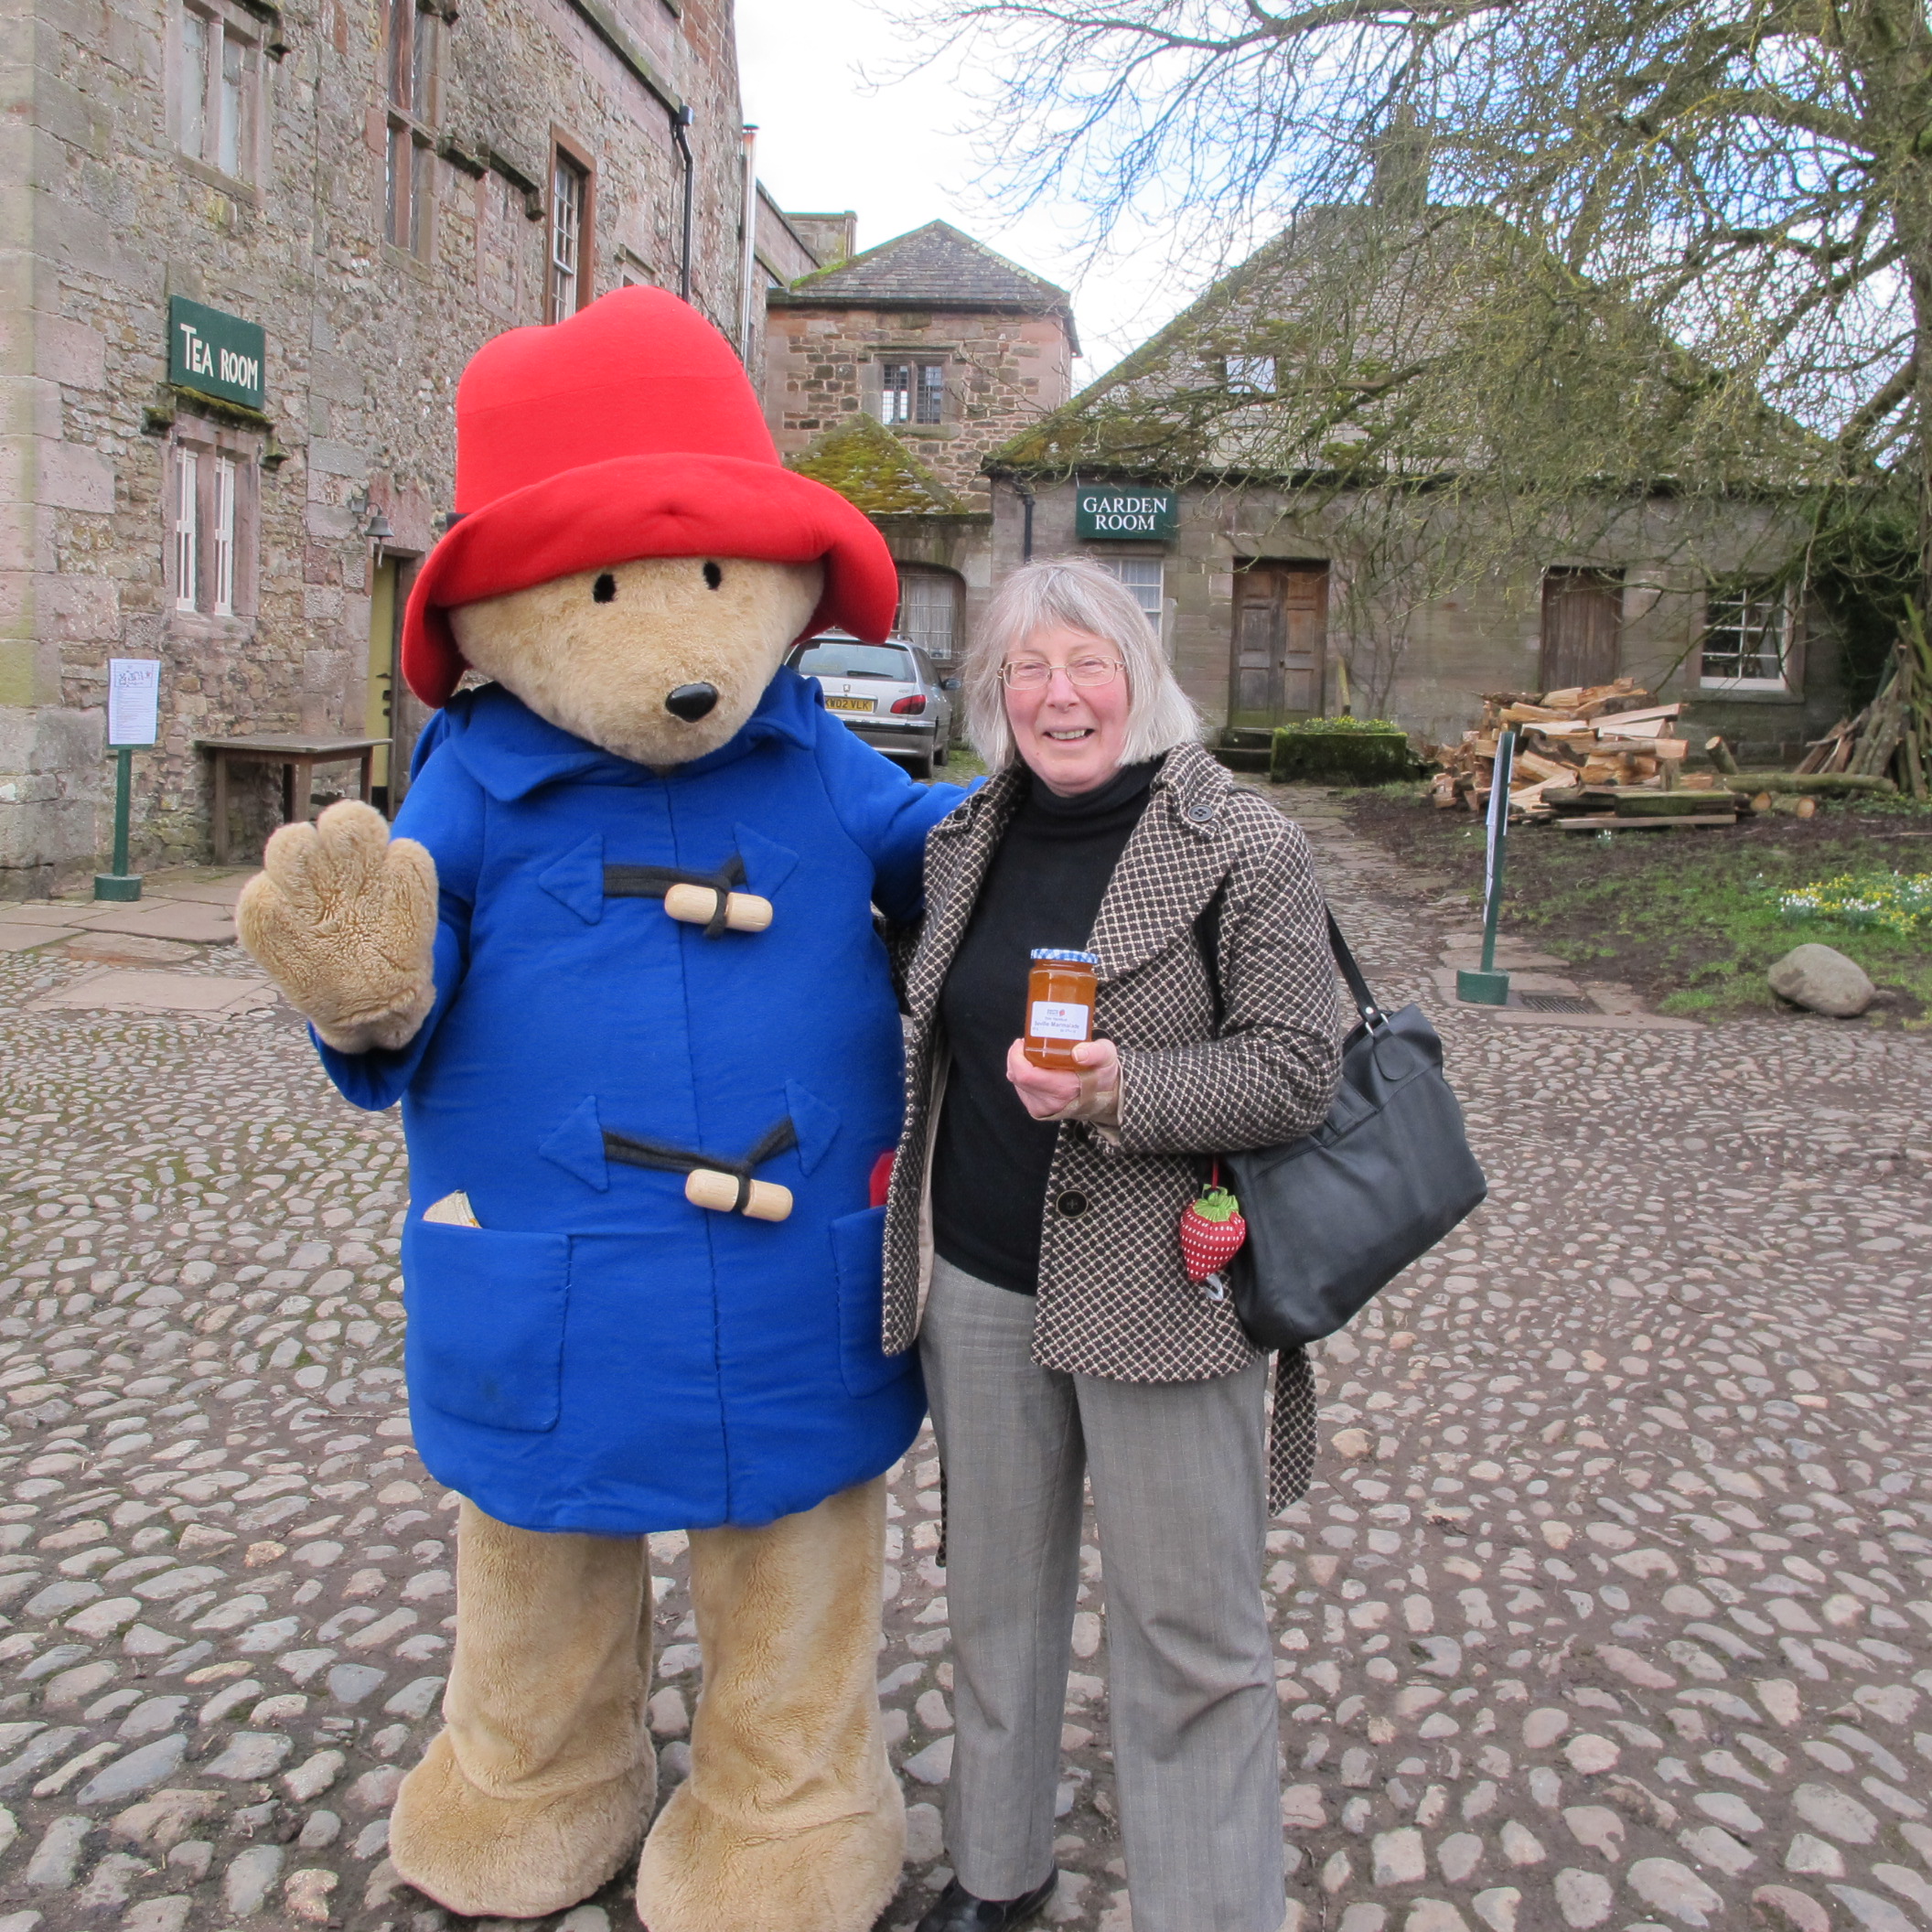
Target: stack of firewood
<point x="1892" y="737"/>
<point x="1600" y="737"/>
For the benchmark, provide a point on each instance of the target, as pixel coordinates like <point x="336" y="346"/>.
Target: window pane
<point x="1143" y="576"/>
<point x="835" y="657"/>
<point x="222" y="538"/>
<point x="396" y="185"/>
<point x="419" y="197"/>
<point x="194" y="85"/>
<point x="186" y="551"/>
<point x="932" y="390"/>
<point x="895" y="392"/>
<point x="927" y="611"/>
<point x="1253" y="375"/>
<point x="422" y="63"/>
<point x="401" y="64"/>
<point x="566" y="220"/>
<point x="228" y="156"/>
<point x="1744" y="636"/>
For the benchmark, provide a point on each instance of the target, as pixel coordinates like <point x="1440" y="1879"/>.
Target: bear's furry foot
<point x="513" y="1857"/>
<point x="703" y="1873"/>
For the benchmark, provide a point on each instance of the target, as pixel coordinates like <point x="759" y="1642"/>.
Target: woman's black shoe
<point x="958" y="1911"/>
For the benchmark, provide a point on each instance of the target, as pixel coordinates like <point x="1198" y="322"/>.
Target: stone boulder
<point x="1824" y="980"/>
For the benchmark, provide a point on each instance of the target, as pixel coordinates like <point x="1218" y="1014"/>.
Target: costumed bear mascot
<point x="619" y="967"/>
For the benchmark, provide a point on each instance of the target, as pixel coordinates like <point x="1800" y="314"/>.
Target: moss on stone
<point x="870" y="467"/>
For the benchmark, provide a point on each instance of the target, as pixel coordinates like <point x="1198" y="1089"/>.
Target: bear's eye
<point x="606" y="588"/>
<point x="713" y="576"/>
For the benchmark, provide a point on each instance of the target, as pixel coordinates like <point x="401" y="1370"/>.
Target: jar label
<point x="1058" y="1020"/>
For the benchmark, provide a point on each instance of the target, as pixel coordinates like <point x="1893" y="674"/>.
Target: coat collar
<point x="511" y="752"/>
<point x="1181" y="843"/>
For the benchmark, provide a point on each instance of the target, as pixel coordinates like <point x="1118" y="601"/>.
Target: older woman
<point x="1031" y="1248"/>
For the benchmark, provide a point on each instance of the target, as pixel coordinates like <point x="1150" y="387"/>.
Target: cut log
<point x="1721" y="758"/>
<point x="1825" y="784"/>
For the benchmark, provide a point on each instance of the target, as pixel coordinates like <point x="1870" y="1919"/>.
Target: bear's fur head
<point x="659" y="661"/>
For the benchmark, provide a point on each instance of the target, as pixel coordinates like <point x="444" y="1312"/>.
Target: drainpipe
<point x="748" y="262"/>
<point x="681" y="132"/>
<point x="1024" y="492"/>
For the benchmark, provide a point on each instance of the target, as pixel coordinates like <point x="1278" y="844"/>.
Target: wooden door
<point x="1280" y="625"/>
<point x="1583" y="616"/>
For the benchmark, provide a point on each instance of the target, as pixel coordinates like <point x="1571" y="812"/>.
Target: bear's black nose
<point x="692" y="702"/>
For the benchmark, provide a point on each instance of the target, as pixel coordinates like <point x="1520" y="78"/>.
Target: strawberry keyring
<point x="1212" y="1231"/>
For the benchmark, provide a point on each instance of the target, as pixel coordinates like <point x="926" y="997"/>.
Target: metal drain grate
<point x="1557" y="1003"/>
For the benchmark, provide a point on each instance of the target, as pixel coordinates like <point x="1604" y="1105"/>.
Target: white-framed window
<point x="1145" y="577"/>
<point x="213" y="504"/>
<point x="221" y="540"/>
<point x="409" y="80"/>
<point x="912" y="392"/>
<point x="1250" y="375"/>
<point x="186" y="502"/>
<point x="1747" y="638"/>
<point x="930" y="610"/>
<point x="220" y="88"/>
<point x="569" y="204"/>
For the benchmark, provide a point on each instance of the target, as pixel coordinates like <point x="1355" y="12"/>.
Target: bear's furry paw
<point x="513" y="1857"/>
<point x="343" y="919"/>
<point x="701" y="1871"/>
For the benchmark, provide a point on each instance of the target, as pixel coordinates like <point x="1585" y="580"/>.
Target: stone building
<point x="1229" y="471"/>
<point x="894" y="374"/>
<point x="251" y="244"/>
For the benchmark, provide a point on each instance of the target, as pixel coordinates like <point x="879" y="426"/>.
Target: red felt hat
<point x="629" y="431"/>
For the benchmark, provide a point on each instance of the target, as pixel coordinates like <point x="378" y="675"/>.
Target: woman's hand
<point x="1093" y="1093"/>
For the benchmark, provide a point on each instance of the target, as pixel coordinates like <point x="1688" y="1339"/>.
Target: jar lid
<point x="1076" y="958"/>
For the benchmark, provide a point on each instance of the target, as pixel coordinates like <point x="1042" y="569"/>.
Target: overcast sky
<point x="896" y="154"/>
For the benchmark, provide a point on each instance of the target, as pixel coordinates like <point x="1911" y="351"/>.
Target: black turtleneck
<point x="1044" y="888"/>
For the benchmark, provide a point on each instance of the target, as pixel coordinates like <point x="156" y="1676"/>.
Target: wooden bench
<point x="297" y="756"/>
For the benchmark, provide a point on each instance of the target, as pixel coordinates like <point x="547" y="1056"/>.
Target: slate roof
<point x="936" y="266"/>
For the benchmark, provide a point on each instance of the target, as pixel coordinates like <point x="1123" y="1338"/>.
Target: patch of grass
<point x="1690" y="918"/>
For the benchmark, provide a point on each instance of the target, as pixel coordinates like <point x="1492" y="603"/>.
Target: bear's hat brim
<point x="660" y="505"/>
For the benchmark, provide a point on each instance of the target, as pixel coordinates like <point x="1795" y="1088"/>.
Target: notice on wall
<point x="134" y="700"/>
<point x="1102" y="515"/>
<point x="215" y="353"/>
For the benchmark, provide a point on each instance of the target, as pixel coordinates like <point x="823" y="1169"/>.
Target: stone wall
<point x="365" y="342"/>
<point x="1003" y="371"/>
<point x="1427" y="668"/>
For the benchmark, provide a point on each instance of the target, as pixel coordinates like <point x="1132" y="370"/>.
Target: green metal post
<point x="119" y="884"/>
<point x="1484" y="985"/>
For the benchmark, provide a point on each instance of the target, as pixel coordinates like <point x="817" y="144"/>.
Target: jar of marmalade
<point x="1059" y="1006"/>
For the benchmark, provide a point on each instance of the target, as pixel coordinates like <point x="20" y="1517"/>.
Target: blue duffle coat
<point x="599" y="1355"/>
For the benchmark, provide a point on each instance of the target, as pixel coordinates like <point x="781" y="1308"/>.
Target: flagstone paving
<point x="1610" y="1605"/>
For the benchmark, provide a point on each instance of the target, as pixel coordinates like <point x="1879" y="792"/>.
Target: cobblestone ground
<point x="1610" y="1606"/>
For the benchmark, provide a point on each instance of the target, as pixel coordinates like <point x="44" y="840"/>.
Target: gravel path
<point x="1610" y="1607"/>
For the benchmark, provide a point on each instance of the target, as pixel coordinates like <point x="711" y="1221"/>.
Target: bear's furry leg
<point x="791" y="1820"/>
<point x="543" y="1777"/>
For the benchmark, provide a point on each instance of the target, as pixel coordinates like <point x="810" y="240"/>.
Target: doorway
<point x="379" y="704"/>
<point x="1280" y="627"/>
<point x="1583" y="617"/>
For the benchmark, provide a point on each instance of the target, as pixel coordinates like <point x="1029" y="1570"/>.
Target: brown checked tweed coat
<point x="1115" y="1299"/>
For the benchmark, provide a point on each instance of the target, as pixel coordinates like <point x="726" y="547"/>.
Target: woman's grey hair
<point x="1079" y="594"/>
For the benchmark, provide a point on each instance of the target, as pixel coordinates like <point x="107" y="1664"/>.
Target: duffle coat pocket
<point x="485" y="1313"/>
<point x="858" y="1253"/>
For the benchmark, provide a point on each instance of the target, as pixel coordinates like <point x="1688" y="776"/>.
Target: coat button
<point x="1072" y="1203"/>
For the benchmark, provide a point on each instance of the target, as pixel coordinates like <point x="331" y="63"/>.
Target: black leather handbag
<point x="1333" y="1216"/>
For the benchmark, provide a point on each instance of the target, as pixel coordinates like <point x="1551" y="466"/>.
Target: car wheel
<point x="942" y="754"/>
<point x="922" y="769"/>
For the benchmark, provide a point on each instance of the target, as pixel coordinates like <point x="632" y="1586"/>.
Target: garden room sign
<point x="1105" y="513"/>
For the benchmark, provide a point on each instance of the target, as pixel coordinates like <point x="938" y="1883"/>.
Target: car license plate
<point x="849" y="704"/>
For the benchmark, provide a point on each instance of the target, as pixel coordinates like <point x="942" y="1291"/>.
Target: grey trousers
<point x="1179" y="1480"/>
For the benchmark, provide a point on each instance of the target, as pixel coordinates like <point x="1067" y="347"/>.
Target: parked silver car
<point x="890" y="694"/>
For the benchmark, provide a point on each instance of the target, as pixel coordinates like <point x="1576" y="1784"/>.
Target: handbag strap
<point x="1207" y="936"/>
<point x="1372" y="1015"/>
